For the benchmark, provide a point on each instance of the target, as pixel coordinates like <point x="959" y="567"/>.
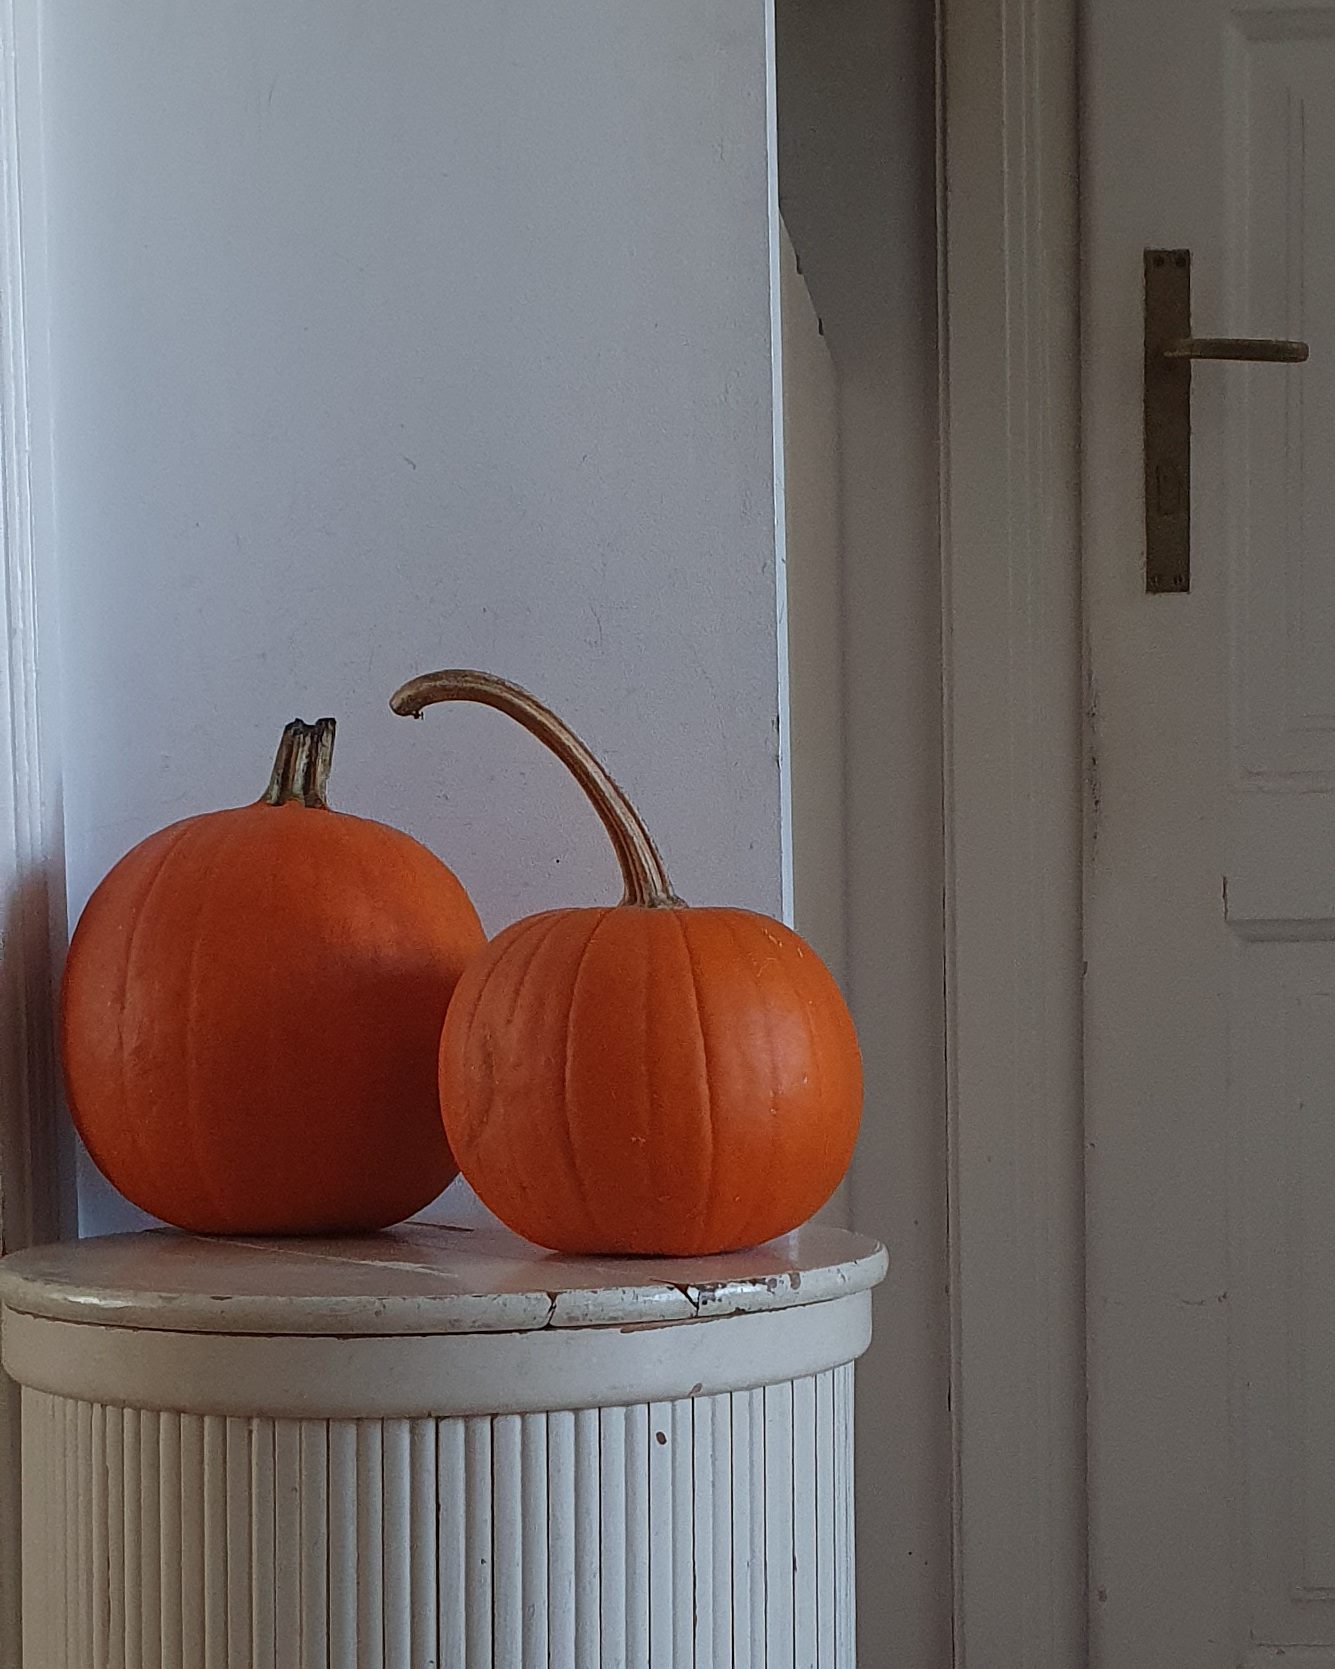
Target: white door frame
<point x="1014" y="796"/>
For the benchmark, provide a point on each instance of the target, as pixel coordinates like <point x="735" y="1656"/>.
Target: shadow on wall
<point x="857" y="188"/>
<point x="32" y="1206"/>
<point x="36" y="1193"/>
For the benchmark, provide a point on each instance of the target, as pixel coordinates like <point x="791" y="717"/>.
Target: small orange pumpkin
<point x="646" y="1078"/>
<point x="251" y="1012"/>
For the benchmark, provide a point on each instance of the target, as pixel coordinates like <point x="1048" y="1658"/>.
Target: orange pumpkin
<point x="251" y="1012"/>
<point x="646" y="1078"/>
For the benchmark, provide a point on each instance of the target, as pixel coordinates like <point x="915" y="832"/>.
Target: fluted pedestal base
<point x="714" y="1531"/>
<point x="436" y="1449"/>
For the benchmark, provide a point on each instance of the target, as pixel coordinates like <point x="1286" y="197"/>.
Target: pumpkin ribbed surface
<point x="650" y="1080"/>
<point x="251" y="1012"/>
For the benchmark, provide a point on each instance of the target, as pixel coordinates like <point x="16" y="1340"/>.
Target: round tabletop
<point x="420" y="1278"/>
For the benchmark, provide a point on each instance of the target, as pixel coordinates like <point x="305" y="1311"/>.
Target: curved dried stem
<point x="642" y="871"/>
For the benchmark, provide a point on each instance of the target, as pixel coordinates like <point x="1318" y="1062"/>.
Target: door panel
<point x="1210" y="890"/>
<point x="1283" y="1128"/>
<point x="1279" y="880"/>
<point x="1280" y="187"/>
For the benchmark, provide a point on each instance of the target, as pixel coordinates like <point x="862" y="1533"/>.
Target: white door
<point x="1211" y="851"/>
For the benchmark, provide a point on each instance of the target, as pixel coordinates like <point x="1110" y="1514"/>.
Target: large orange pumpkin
<point x="646" y="1078"/>
<point x="251" y="1012"/>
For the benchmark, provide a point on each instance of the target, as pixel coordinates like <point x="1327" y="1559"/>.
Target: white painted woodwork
<point x="36" y="1184"/>
<point x="464" y="1275"/>
<point x="857" y="142"/>
<point x="334" y="1500"/>
<point x="1012" y="649"/>
<point x="813" y="609"/>
<point x="1210" y="903"/>
<point x="32" y="902"/>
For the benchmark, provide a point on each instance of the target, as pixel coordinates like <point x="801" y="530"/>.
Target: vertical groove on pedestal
<point x="588" y="1536"/>
<point x="41" y="1487"/>
<point x="370" y="1576"/>
<point x="613" y="1534"/>
<point x="725" y="1531"/>
<point x="69" y="1443"/>
<point x="635" y="1421"/>
<point x="827" y="1467"/>
<point x="236" y="1521"/>
<point x="779" y="1550"/>
<point x="425" y="1642"/>
<point x="313" y="1463"/>
<point x="658" y="1511"/>
<point x="216" y="1564"/>
<point x="83" y="1525"/>
<point x="704" y="1576"/>
<point x="740" y="1513"/>
<point x="507" y="1539"/>
<point x="478" y="1544"/>
<point x="846" y="1477"/>
<point x="396" y="1504"/>
<point x="150" y="1529"/>
<point x="95" y="1484"/>
<point x="261" y="1544"/>
<point x="806" y="1578"/>
<point x="843" y="1521"/>
<point x="287" y="1544"/>
<point x="32" y="1481"/>
<point x="451" y="1544"/>
<point x="131" y="1472"/>
<point x="756" y="1483"/>
<point x="342" y="1544"/>
<point x="191" y="1474"/>
<point x="55" y="1630"/>
<point x="714" y="1533"/>
<point x="535" y="1514"/>
<point x="683" y="1532"/>
<point x="169" y="1533"/>
<point x="55" y="1552"/>
<point x="562" y="1558"/>
<point x="114" y="1458"/>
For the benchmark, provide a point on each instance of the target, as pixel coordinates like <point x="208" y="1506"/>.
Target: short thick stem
<point x="642" y="872"/>
<point x="301" y="765"/>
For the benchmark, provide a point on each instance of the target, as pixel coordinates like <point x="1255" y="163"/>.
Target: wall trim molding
<point x="31" y="838"/>
<point x="1013" y="680"/>
<point x="34" y="1157"/>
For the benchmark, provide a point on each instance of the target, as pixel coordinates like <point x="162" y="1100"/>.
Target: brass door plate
<point x="1167" y="422"/>
<point x="1170" y="349"/>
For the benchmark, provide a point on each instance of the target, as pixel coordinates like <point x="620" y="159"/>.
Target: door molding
<point x="1014" y="768"/>
<point x="34" y="1158"/>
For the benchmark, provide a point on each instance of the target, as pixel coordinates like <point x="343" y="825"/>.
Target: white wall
<point x="390" y="337"/>
<point x="856" y="125"/>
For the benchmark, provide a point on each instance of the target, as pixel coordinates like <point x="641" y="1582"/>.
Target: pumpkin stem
<point x="301" y="765"/>
<point x="646" y="880"/>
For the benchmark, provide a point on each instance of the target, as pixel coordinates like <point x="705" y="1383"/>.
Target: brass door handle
<point x="1257" y="349"/>
<point x="1170" y="349"/>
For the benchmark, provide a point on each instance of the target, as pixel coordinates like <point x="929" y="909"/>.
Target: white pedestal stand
<point x="436" y="1448"/>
